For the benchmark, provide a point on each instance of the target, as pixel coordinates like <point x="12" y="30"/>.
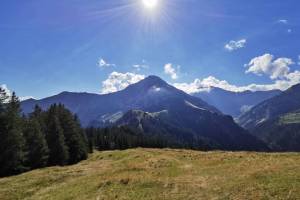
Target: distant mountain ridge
<point x="182" y="116"/>
<point x="276" y="121"/>
<point x="287" y="101"/>
<point x="235" y="103"/>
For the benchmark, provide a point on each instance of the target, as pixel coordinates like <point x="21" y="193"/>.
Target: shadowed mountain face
<point x="287" y="101"/>
<point x="281" y="133"/>
<point x="235" y="103"/>
<point x="164" y="110"/>
<point x="192" y="127"/>
<point x="277" y="120"/>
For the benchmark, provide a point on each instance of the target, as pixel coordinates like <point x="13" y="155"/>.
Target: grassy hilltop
<point x="162" y="174"/>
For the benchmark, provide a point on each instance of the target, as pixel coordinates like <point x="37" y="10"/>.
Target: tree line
<point x="43" y="138"/>
<point x="123" y="137"/>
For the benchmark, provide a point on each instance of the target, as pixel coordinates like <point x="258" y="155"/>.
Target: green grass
<point x="162" y="174"/>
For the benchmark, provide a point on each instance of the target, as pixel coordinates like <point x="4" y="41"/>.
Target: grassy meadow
<point x="162" y="174"/>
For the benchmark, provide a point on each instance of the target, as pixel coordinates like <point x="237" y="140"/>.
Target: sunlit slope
<point x="163" y="174"/>
<point x="291" y="118"/>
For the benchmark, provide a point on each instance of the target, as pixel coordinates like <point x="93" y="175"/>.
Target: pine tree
<point x="73" y="135"/>
<point x="3" y="98"/>
<point x="37" y="112"/>
<point x="39" y="115"/>
<point x="84" y="146"/>
<point x="91" y="145"/>
<point x="12" y="145"/>
<point x="3" y="133"/>
<point x="58" y="151"/>
<point x="91" y="134"/>
<point x="36" y="144"/>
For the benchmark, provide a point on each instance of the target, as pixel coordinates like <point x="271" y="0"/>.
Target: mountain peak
<point x="149" y="82"/>
<point x="154" y="80"/>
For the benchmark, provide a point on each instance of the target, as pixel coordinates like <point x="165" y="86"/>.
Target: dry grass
<point x="163" y="174"/>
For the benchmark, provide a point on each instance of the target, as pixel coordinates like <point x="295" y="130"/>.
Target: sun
<point x="150" y="4"/>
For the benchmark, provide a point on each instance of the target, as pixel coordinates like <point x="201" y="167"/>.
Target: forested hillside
<point x="43" y="138"/>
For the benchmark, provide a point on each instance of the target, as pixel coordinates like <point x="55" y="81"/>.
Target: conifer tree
<point x="58" y="151"/>
<point x="3" y="135"/>
<point x="37" y="112"/>
<point x="37" y="147"/>
<point x="91" y="134"/>
<point x="73" y="135"/>
<point x="12" y="145"/>
<point x="3" y="98"/>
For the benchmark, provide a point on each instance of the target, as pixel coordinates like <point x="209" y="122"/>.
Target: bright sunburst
<point x="151" y="4"/>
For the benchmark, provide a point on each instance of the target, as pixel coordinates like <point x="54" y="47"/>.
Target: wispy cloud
<point x="141" y="66"/>
<point x="102" y="63"/>
<point x="282" y="21"/>
<point x="286" y="23"/>
<point x="235" y="45"/>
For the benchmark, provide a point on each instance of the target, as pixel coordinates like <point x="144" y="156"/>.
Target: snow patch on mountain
<point x="157" y="114"/>
<point x="111" y="118"/>
<point x="192" y="105"/>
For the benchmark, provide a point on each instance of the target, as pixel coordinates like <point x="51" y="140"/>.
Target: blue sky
<point x="49" y="46"/>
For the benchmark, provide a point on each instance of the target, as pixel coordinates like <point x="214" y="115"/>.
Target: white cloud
<point x="5" y="88"/>
<point x="102" y="63"/>
<point x="281" y="67"/>
<point x="289" y="31"/>
<point x="118" y="81"/>
<point x="170" y="70"/>
<point x="266" y="64"/>
<point x="234" y="45"/>
<point x="282" y="21"/>
<point x="293" y="77"/>
<point x="205" y="84"/>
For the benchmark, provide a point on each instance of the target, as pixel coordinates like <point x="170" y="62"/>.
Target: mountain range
<point x="151" y="94"/>
<point x="154" y="107"/>
<point x="235" y="103"/>
<point x="276" y="120"/>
